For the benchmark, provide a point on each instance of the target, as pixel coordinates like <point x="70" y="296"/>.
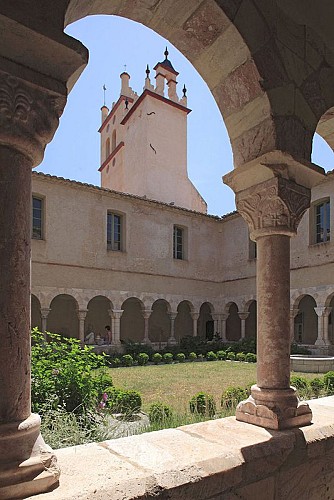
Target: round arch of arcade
<point x="139" y="317"/>
<point x="311" y="316"/>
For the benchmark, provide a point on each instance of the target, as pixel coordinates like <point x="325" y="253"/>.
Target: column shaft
<point x="15" y="248"/>
<point x="273" y="294"/>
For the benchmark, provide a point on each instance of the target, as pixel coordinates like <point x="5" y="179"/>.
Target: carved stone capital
<point x="275" y="206"/>
<point x="29" y="116"/>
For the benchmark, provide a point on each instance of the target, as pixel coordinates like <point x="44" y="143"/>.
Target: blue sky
<point x="114" y="42"/>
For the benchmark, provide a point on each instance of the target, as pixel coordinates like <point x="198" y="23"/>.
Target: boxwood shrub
<point x="159" y="413"/>
<point x="142" y="358"/>
<point x="168" y="357"/>
<point x="192" y="356"/>
<point x="211" y="356"/>
<point x="203" y="403"/>
<point x="180" y="357"/>
<point x="156" y="358"/>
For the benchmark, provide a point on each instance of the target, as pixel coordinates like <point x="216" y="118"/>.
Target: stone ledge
<point x="222" y="459"/>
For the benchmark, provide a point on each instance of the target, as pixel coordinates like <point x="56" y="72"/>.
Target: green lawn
<point x="175" y="384"/>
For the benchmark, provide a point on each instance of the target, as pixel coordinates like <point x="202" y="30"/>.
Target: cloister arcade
<point x="157" y="321"/>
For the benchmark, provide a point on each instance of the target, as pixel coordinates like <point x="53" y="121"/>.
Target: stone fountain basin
<point x="311" y="363"/>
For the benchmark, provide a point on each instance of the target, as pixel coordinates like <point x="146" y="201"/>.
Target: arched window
<point x="107" y="147"/>
<point x="113" y="140"/>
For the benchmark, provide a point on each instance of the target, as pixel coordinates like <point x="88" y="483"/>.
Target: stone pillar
<point x="326" y="317"/>
<point x="82" y="313"/>
<point x="217" y="324"/>
<point x="116" y="325"/>
<point x="243" y="316"/>
<point x="273" y="210"/>
<point x="28" y="119"/>
<point x="44" y="315"/>
<point x="323" y="313"/>
<point x="223" y="319"/>
<point x="146" y="313"/>
<point x="172" y="339"/>
<point x="293" y="313"/>
<point x="194" y="317"/>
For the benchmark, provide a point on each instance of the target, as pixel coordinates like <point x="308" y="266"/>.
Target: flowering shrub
<point x="64" y="375"/>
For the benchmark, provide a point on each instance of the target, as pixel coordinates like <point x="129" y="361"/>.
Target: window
<point x="114" y="232"/>
<point x="113" y="140"/>
<point x="322" y="222"/>
<point x="37" y="218"/>
<point x="107" y="147"/>
<point x="178" y="243"/>
<point x="252" y="250"/>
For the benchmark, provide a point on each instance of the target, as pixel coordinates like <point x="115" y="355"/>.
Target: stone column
<point x="326" y="317"/>
<point x="243" y="316"/>
<point x="146" y="313"/>
<point x="116" y="325"/>
<point x="82" y="313"/>
<point x="323" y="313"/>
<point x="194" y="317"/>
<point x="44" y="315"/>
<point x="172" y="339"/>
<point x="28" y="119"/>
<point x="293" y="313"/>
<point x="217" y="324"/>
<point x="223" y="319"/>
<point x="273" y="210"/>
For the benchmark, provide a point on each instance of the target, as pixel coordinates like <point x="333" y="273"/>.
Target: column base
<point x="274" y="409"/>
<point x="27" y="465"/>
<point x="172" y="341"/>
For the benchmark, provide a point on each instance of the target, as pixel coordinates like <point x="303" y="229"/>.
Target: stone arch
<point x="98" y="315"/>
<point x="205" y="323"/>
<point x="249" y="87"/>
<point x="159" y="321"/>
<point x="63" y="316"/>
<point x="306" y="321"/>
<point x="36" y="318"/>
<point x="233" y="322"/>
<point x="132" y="320"/>
<point x="251" y="321"/>
<point x="183" y="321"/>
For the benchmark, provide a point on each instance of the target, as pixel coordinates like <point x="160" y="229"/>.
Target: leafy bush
<point x="230" y="356"/>
<point x="221" y="355"/>
<point x="250" y="357"/>
<point x="115" y="362"/>
<point x="317" y="385"/>
<point x="200" y="357"/>
<point x="168" y="357"/>
<point x="300" y="383"/>
<point x="142" y="358"/>
<point x="159" y="413"/>
<point x="329" y="382"/>
<point x="192" y="356"/>
<point x="180" y="357"/>
<point x="135" y="348"/>
<point x="232" y="396"/>
<point x="156" y="358"/>
<point x="211" y="356"/>
<point x="123" y="401"/>
<point x="240" y="356"/>
<point x="127" y="360"/>
<point x="298" y="349"/>
<point x="203" y="404"/>
<point x="62" y="374"/>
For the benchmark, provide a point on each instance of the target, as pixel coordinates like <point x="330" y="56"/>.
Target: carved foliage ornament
<point x="274" y="206"/>
<point x="29" y="115"/>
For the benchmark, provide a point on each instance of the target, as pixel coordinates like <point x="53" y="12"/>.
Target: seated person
<point x="90" y="338"/>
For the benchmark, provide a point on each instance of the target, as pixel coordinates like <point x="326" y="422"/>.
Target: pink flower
<point x="105" y="396"/>
<point x="102" y="405"/>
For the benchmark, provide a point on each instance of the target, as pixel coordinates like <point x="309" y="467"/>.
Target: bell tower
<point x="144" y="141"/>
